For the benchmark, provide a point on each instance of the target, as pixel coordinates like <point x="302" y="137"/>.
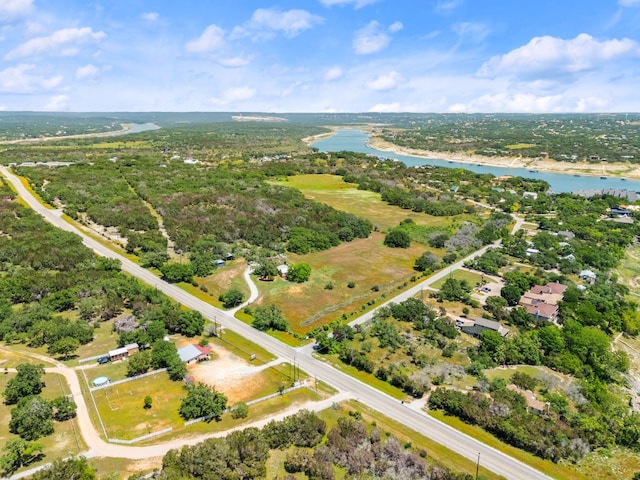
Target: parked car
<point x="102" y="360"/>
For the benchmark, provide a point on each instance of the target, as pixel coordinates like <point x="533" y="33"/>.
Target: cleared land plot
<point x="365" y="262"/>
<point x="65" y="440"/>
<point x="222" y="279"/>
<point x="333" y="191"/>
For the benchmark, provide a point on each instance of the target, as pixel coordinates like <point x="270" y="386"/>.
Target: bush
<point x="397" y="239"/>
<point x="231" y="298"/>
<point x="240" y="410"/>
<point x="351" y="285"/>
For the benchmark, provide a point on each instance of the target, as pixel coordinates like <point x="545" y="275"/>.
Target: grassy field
<point x="64" y="441"/>
<point x="471" y="277"/>
<point x="374" y="269"/>
<point x="242" y="347"/>
<point x="333" y="191"/>
<point x="561" y="472"/>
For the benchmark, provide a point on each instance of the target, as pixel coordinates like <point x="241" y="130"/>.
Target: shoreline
<point x="113" y="133"/>
<point x="618" y="170"/>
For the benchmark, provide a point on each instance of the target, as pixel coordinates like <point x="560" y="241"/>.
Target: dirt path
<point x="255" y="293"/>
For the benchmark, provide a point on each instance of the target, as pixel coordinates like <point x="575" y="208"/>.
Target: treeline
<point x="569" y="138"/>
<point x="51" y="272"/>
<point x="351" y="445"/>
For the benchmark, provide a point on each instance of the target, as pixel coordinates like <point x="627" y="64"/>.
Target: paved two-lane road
<point x="467" y="446"/>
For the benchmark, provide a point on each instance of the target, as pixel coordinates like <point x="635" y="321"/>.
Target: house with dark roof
<point x="479" y="325"/>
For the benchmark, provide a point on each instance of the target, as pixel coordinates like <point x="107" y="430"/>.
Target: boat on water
<point x="576" y="175"/>
<point x="603" y="178"/>
<point x="533" y="171"/>
<point x="623" y="179"/>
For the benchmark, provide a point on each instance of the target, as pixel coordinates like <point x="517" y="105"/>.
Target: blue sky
<point x="320" y="55"/>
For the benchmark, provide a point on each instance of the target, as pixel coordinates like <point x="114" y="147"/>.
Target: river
<point x="355" y="140"/>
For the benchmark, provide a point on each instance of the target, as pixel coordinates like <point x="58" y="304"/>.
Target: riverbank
<point x="620" y="170"/>
<point x="127" y="128"/>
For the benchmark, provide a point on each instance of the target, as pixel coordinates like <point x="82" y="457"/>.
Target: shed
<point x="194" y="353"/>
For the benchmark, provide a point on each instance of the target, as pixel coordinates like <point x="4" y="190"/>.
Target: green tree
<point x="27" y="382"/>
<point x="64" y="347"/>
<point x="32" y="418"/>
<point x="177" y="369"/>
<point x="203" y="401"/>
<point x="231" y="298"/>
<point x="177" y="272"/>
<point x="427" y="261"/>
<point x="266" y="269"/>
<point x="191" y="323"/>
<point x="139" y="363"/>
<point x="162" y="354"/>
<point x="63" y="408"/>
<point x="240" y="410"/>
<point x="269" y="317"/>
<point x="454" y="290"/>
<point x="299" y="272"/>
<point x="148" y="402"/>
<point x="511" y="293"/>
<point x="19" y="453"/>
<point x="397" y="239"/>
<point x="75" y="468"/>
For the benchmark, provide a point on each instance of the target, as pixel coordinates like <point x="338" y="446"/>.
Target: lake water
<point x="357" y="141"/>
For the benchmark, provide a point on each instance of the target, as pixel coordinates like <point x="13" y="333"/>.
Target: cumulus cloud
<point x="13" y="9"/>
<point x="210" y="40"/>
<point x="549" y="56"/>
<point x="396" y="27"/>
<point x="530" y="103"/>
<point x="385" y="82"/>
<point x="62" y="42"/>
<point x="56" y="103"/>
<point x="235" y="94"/>
<point x="88" y="71"/>
<point x="266" y="22"/>
<point x="393" y="107"/>
<point x="445" y="7"/>
<point x="20" y="79"/>
<point x="235" y="62"/>
<point x="356" y="3"/>
<point x="150" y="16"/>
<point x="470" y="31"/>
<point x="370" y="39"/>
<point x="334" y="73"/>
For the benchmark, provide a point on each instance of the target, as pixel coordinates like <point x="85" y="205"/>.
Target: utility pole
<point x="478" y="466"/>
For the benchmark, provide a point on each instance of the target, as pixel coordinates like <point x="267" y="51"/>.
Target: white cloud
<point x="88" y="71"/>
<point x="385" y="82"/>
<point x="150" y="16"/>
<point x="265" y="22"/>
<point x="551" y="56"/>
<point x="474" y="32"/>
<point x="396" y="27"/>
<point x="394" y="107"/>
<point x="57" y="103"/>
<point x="13" y="9"/>
<point x="445" y="7"/>
<point x="211" y="39"/>
<point x="62" y="42"/>
<point x="529" y="103"/>
<point x="356" y="3"/>
<point x="629" y="3"/>
<point x="235" y="94"/>
<point x="334" y="73"/>
<point x="370" y="39"/>
<point x="235" y="62"/>
<point x="20" y="80"/>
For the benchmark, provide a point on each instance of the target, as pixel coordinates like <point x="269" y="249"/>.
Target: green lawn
<point x="333" y="191"/>
<point x="242" y="347"/>
<point x="471" y="277"/>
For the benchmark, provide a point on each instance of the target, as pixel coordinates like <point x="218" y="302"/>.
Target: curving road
<point x="422" y="423"/>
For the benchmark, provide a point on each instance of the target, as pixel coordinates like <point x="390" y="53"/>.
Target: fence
<point x="143" y="437"/>
<point x="129" y="379"/>
<point x="252" y="402"/>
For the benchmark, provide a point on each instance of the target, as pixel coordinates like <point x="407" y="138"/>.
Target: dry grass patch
<point x="365" y="262"/>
